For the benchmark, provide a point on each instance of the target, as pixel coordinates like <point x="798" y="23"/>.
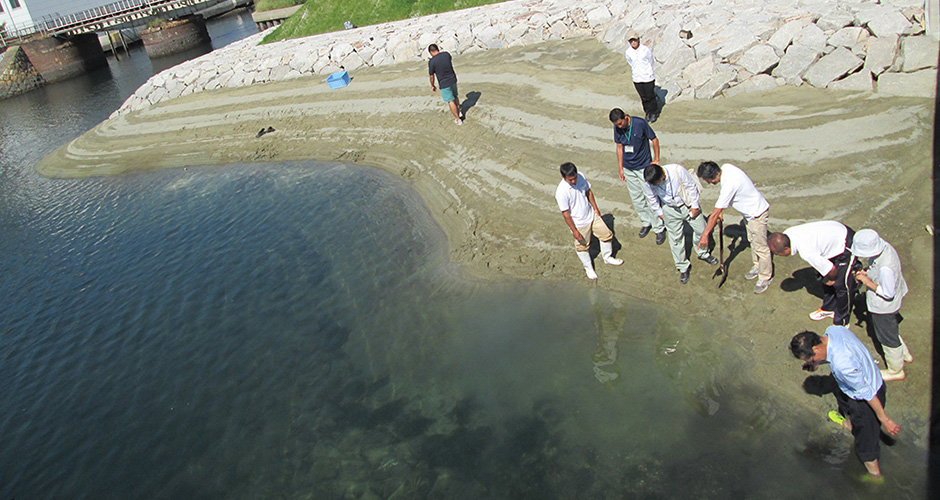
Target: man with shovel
<point x="739" y="192"/>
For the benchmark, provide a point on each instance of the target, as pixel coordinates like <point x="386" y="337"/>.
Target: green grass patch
<point x="323" y="16"/>
<point x="262" y="5"/>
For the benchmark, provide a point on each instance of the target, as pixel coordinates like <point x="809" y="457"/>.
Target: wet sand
<point x="860" y="159"/>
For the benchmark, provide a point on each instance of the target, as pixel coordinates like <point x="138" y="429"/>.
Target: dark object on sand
<point x="721" y="255"/>
<point x="265" y="131"/>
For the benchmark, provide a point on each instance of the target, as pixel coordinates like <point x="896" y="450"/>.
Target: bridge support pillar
<point x="175" y="36"/>
<point x="59" y="59"/>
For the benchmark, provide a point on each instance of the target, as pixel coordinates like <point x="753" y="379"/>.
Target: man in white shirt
<point x="884" y="288"/>
<point x="825" y="246"/>
<point x="579" y="209"/>
<point x="640" y="58"/>
<point x="738" y="191"/>
<point x="674" y="196"/>
<point x="860" y="394"/>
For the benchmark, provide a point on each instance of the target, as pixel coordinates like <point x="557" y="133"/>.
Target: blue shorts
<point x="449" y="93"/>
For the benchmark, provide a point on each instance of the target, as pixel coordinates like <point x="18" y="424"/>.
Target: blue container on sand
<point x="338" y="79"/>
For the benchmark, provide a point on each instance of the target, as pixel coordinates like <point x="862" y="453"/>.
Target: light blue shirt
<point x="851" y="364"/>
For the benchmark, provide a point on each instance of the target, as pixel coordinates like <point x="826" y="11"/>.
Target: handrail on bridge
<point x="98" y="17"/>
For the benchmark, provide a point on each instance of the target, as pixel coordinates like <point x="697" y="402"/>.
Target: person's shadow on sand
<point x="470" y="100"/>
<point x="803" y="278"/>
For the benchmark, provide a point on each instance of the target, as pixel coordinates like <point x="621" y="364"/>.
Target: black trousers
<point x="837" y="298"/>
<point x="866" y="428"/>
<point x="647" y="91"/>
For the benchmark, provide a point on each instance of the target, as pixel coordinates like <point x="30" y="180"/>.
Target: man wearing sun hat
<point x="640" y="58"/>
<point x="884" y="288"/>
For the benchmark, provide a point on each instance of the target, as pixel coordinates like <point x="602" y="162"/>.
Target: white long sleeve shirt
<point x="641" y="63"/>
<point x="675" y="178"/>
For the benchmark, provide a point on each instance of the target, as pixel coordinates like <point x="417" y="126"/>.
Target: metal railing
<point x="98" y="18"/>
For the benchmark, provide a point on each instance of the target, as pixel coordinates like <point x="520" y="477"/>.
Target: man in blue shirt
<point x="860" y="393"/>
<point x="442" y="66"/>
<point x="634" y="140"/>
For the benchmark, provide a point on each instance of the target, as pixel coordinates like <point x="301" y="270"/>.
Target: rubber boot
<point x="607" y="249"/>
<point x="588" y="265"/>
<point x="894" y="357"/>
<point x="908" y="357"/>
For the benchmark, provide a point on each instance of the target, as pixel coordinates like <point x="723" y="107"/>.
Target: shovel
<point x="721" y="271"/>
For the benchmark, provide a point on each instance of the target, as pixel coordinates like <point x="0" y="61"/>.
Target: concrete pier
<point x="175" y="36"/>
<point x="59" y="59"/>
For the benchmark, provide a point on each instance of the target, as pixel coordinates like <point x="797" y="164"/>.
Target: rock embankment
<point x="703" y="49"/>
<point x="17" y="74"/>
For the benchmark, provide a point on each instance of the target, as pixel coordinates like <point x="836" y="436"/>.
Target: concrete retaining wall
<point x="735" y="45"/>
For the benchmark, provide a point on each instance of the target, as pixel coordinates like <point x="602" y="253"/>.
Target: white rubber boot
<point x="908" y="357"/>
<point x="607" y="249"/>
<point x="588" y="265"/>
<point x="894" y="358"/>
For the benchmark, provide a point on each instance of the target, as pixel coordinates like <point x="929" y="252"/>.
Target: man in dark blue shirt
<point x="442" y="66"/>
<point x="634" y="139"/>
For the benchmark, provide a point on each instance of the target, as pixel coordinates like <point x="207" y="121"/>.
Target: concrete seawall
<point x="735" y="45"/>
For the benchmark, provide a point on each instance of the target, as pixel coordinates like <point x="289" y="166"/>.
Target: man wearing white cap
<point x="640" y="58"/>
<point x="885" y="287"/>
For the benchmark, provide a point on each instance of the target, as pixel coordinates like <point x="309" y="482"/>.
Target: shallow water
<point x="295" y="330"/>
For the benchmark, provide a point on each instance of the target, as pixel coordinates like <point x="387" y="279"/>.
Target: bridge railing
<point x="100" y="17"/>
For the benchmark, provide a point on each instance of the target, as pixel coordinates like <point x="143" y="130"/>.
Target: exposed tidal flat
<point x="815" y="154"/>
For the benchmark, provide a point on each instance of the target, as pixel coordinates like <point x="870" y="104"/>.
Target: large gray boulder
<point x="811" y="37"/>
<point x="850" y="37"/>
<point x="721" y="79"/>
<point x="682" y="57"/>
<point x="784" y="36"/>
<point x="858" y="82"/>
<point x="881" y="54"/>
<point x="836" y="20"/>
<point x="756" y="83"/>
<point x="918" y="52"/>
<point x="921" y="83"/>
<point x="759" y="59"/>
<point x="794" y="63"/>
<point x="884" y="21"/>
<point x="832" y="67"/>
<point x="699" y="72"/>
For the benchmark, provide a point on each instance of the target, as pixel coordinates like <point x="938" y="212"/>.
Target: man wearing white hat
<point x="640" y="58"/>
<point x="885" y="287"/>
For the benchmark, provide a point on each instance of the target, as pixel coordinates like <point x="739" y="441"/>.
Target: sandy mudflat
<point x="860" y="159"/>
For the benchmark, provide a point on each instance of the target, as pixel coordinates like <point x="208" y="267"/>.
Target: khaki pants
<point x="675" y="219"/>
<point x="598" y="228"/>
<point x="760" y="252"/>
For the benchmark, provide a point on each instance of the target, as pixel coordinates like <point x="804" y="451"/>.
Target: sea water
<point x="296" y="331"/>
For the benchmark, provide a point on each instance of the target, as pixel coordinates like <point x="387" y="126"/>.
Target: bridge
<point x="118" y="15"/>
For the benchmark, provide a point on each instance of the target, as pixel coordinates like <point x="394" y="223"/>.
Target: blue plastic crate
<point x="338" y="79"/>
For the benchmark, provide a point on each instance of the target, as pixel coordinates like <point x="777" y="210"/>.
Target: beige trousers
<point x="760" y="252"/>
